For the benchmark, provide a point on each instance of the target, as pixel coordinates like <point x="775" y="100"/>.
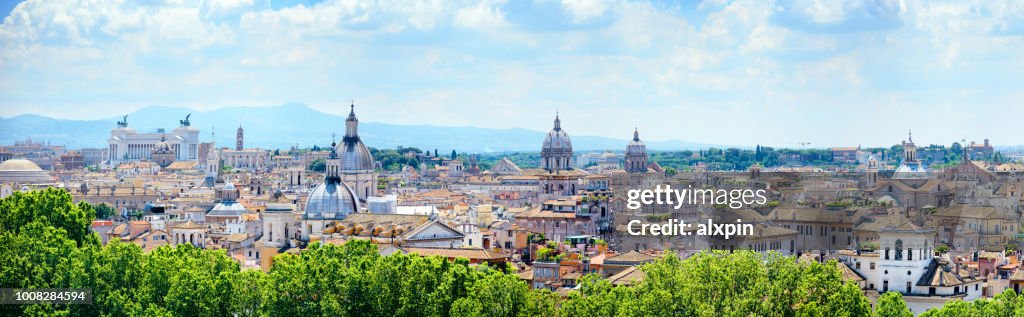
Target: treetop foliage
<point x="46" y="242"/>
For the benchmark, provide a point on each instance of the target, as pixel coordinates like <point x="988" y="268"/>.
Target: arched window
<point x="899" y="249"/>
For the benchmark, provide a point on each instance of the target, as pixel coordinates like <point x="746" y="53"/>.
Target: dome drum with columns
<point x="636" y="155"/>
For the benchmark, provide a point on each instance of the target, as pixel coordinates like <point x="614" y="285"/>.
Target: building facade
<point x="128" y="145"/>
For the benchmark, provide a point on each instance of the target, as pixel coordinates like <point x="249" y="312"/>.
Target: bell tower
<point x="239" y="138"/>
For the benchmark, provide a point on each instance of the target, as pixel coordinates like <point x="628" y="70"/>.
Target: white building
<point x="127" y="145"/>
<point x="387" y="204"/>
<point x="905" y="263"/>
<point x="248" y="159"/>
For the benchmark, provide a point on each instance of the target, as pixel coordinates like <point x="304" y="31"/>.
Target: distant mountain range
<point x="296" y="124"/>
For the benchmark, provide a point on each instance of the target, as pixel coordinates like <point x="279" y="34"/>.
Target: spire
<point x="910" y="136"/>
<point x="351" y="124"/>
<point x="352" y="111"/>
<point x="334" y="153"/>
<point x="558" y="123"/>
<point x="636" y="134"/>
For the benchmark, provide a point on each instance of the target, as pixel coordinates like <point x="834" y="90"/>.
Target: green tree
<point x="496" y="295"/>
<point x="891" y="304"/>
<point x="104" y="211"/>
<point x="318" y="165"/>
<point x="50" y="207"/>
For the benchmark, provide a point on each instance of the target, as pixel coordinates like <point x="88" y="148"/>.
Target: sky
<point x="831" y="73"/>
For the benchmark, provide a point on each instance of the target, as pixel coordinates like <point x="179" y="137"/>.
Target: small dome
<point x="636" y="146"/>
<point x="228" y="208"/>
<point x="331" y="199"/>
<point x="162" y="147"/>
<point x="19" y="165"/>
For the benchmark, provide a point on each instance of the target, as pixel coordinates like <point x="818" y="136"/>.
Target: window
<point x="872" y="265"/>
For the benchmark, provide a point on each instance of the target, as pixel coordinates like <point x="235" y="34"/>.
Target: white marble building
<point x="127" y="145"/>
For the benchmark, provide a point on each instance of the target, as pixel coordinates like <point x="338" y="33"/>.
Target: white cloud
<point x="584" y="10"/>
<point x="416" y="61"/>
<point x="821" y="11"/>
<point x="481" y="16"/>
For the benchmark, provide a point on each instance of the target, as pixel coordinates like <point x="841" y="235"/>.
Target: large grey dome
<point x="354" y="154"/>
<point x="332" y="199"/>
<point x="557" y="139"/>
<point x="23" y="171"/>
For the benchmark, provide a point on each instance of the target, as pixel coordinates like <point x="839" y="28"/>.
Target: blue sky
<point x="724" y="72"/>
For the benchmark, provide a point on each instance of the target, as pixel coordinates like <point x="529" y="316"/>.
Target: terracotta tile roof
<point x="190" y="225"/>
<point x="547" y="214"/>
<point x="119" y="229"/>
<point x="182" y="165"/>
<point x="472" y="254"/>
<point x="632" y="257"/>
<point x="630" y="276"/>
<point x="765" y="231"/>
<point x="935" y="275"/>
<point x="848" y="273"/>
<point x="1018" y="276"/>
<point x="989" y="255"/>
<point x="526" y="275"/>
<point x="965" y="211"/>
<point x="236" y="237"/>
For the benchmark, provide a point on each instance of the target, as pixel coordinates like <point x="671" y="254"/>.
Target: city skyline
<point x="282" y="126"/>
<point x="712" y="72"/>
